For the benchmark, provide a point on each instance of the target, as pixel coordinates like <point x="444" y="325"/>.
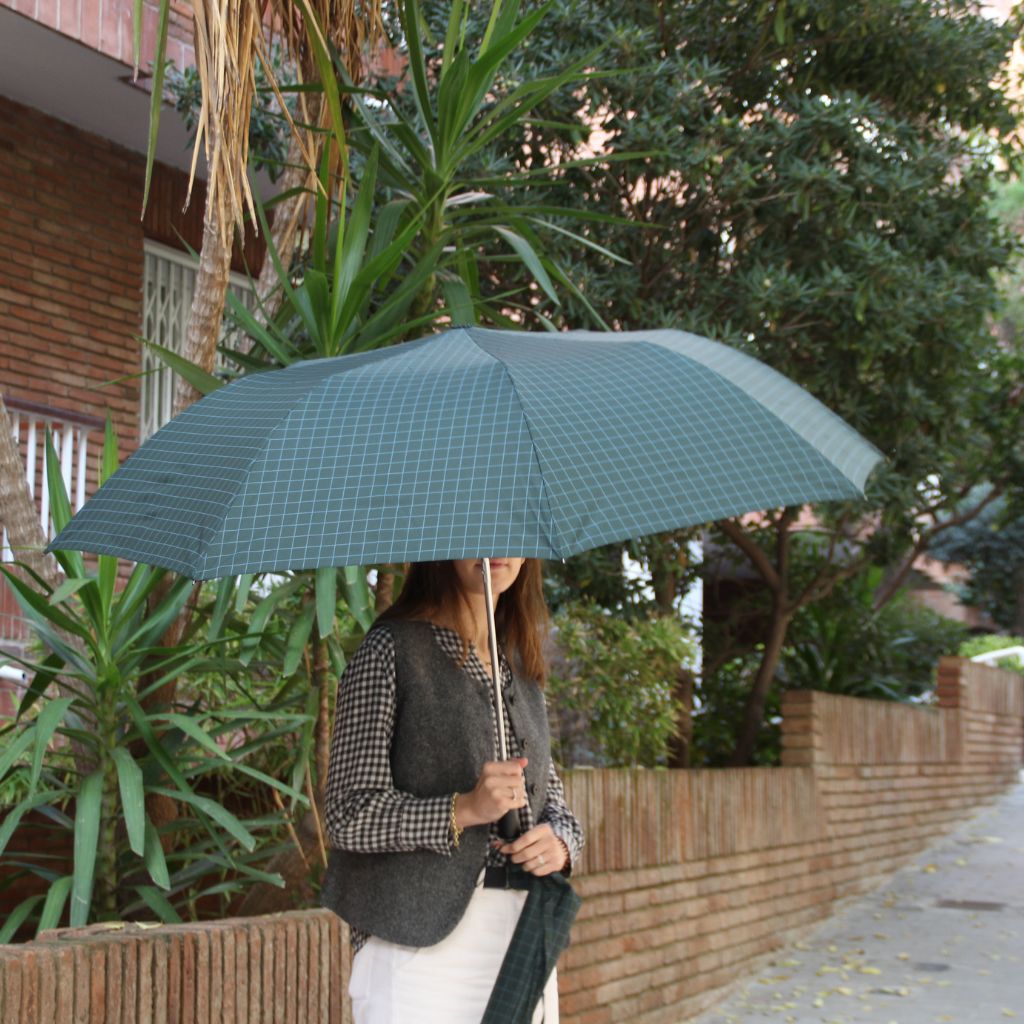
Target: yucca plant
<point x="401" y="240"/>
<point x="104" y="665"/>
<point x="445" y="165"/>
<point x="407" y="235"/>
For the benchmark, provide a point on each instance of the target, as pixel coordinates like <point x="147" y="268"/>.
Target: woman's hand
<point x="500" y="788"/>
<point x="539" y="851"/>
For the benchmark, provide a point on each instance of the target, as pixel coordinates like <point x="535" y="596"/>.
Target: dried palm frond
<point x="226" y="37"/>
<point x="231" y="36"/>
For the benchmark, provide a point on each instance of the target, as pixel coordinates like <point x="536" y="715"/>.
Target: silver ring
<point x="513" y="788"/>
<point x="540" y="859"/>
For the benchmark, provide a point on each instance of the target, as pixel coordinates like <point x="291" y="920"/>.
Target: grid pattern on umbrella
<point x="473" y="442"/>
<point x="852" y="456"/>
<point x="165" y="504"/>
<point x="429" y="457"/>
<point x="633" y="438"/>
<point x="321" y="464"/>
<point x="844" y="448"/>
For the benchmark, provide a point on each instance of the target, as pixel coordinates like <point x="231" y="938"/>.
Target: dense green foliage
<point x="809" y="180"/>
<point x="992" y="547"/>
<point x="92" y="747"/>
<point x="816" y="190"/>
<point x="842" y="644"/>
<point x="611" y="691"/>
<point x="994" y="642"/>
<point x="413" y="210"/>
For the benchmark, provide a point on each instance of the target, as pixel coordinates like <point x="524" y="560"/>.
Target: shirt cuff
<point x="425" y="824"/>
<point x="567" y="839"/>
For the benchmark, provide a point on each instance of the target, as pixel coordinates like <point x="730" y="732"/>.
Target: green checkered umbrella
<point x="468" y="443"/>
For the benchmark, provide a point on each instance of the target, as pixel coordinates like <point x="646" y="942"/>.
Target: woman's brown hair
<point x="521" y="617"/>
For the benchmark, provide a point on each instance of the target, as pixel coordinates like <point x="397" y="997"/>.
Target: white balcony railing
<point x="70" y="432"/>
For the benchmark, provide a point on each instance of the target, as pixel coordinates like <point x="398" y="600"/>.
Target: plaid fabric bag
<point x="540" y="936"/>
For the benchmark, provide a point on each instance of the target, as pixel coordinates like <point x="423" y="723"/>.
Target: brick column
<point x="951" y="688"/>
<point x="801" y="730"/>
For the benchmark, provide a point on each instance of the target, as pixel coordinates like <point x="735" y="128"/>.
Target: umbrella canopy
<point x="467" y="443"/>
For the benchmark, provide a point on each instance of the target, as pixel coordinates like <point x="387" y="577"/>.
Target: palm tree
<point x="230" y="40"/>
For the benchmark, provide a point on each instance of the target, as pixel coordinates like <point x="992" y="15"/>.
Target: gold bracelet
<point x="456" y="831"/>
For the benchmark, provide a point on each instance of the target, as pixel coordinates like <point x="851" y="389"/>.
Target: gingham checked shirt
<point x="364" y="812"/>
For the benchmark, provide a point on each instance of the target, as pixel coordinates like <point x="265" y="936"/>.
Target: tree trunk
<point x="160" y="808"/>
<point x="106" y="879"/>
<point x="201" y="339"/>
<point x="1018" y="626"/>
<point x="17" y="509"/>
<point x="207" y="312"/>
<point x="287" y="215"/>
<point x="753" y="712"/>
<point x="665" y="584"/>
<point x="680" y="750"/>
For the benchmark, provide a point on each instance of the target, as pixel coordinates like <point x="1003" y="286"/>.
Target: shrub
<point x="845" y="645"/>
<point x="994" y="642"/>
<point x="612" y="687"/>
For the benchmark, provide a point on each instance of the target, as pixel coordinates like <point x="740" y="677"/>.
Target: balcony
<point x="71" y="433"/>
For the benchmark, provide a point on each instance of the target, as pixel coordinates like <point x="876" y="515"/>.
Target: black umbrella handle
<point x="509" y="826"/>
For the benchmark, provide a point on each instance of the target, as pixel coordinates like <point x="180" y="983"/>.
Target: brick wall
<point x="689" y="877"/>
<point x="289" y="969"/>
<point x="758" y="855"/>
<point x="72" y="235"/>
<point x="71" y="285"/>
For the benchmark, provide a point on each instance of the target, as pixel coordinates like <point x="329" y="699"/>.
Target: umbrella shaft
<point x="492" y="640"/>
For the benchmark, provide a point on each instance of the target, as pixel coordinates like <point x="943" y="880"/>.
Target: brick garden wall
<point x="671" y="915"/>
<point x="689" y="877"/>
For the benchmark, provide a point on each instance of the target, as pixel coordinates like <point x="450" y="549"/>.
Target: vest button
<point x="523" y="744"/>
<point x="532" y="788"/>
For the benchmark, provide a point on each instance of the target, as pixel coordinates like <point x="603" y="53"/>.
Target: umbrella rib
<point x="725" y="365"/>
<point x="258" y="453"/>
<point x="550" y="529"/>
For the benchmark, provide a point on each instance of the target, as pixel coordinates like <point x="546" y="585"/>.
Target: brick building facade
<point x="82" y="272"/>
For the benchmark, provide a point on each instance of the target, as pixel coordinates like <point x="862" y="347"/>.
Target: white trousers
<point x="449" y="983"/>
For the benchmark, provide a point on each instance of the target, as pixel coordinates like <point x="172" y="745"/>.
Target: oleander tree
<point x="816" y="190"/>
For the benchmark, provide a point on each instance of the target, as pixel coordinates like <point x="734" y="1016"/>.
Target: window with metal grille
<point x="168" y="283"/>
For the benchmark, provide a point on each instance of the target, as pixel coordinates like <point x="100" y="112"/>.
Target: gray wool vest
<point x="443" y="735"/>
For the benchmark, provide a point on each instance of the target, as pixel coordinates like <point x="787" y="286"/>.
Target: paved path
<point x="940" y="941"/>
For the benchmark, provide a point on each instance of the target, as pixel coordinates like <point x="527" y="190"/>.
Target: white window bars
<point x="70" y="435"/>
<point x="168" y="284"/>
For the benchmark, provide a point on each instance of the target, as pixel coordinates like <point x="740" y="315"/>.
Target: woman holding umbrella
<point x="416" y="790"/>
<point x="471" y="440"/>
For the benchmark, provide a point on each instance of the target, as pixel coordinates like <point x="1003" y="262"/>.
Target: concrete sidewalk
<point x="940" y="941"/>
